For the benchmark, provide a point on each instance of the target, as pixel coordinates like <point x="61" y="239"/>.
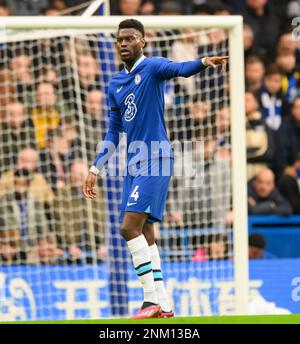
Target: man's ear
<point x="143" y="42"/>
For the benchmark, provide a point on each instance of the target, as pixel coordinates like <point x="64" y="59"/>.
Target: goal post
<point x="25" y="29"/>
<point x="239" y="179"/>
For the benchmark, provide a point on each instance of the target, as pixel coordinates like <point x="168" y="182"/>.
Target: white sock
<point x="158" y="280"/>
<point x="141" y="257"/>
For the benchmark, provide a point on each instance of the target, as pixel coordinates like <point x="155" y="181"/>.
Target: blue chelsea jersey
<point x="139" y="96"/>
<point x="136" y="100"/>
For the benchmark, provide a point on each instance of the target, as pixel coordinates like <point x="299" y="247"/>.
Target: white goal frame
<point x="234" y="24"/>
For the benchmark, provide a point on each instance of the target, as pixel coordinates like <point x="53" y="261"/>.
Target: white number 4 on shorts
<point x="135" y="193"/>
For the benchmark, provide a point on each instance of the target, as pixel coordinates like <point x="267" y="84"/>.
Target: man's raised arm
<point x="167" y="69"/>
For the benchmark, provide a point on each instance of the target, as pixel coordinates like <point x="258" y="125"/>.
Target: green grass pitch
<point x="254" y="319"/>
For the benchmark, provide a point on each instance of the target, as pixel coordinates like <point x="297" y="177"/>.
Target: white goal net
<point x="61" y="256"/>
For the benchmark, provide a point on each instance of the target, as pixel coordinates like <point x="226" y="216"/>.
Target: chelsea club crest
<point x="137" y="79"/>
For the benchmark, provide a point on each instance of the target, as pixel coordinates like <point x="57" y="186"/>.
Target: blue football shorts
<point x="145" y="188"/>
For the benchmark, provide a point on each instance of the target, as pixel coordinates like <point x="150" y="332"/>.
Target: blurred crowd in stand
<point x="53" y="112"/>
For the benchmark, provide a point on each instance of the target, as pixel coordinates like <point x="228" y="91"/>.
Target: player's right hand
<point x="89" y="186"/>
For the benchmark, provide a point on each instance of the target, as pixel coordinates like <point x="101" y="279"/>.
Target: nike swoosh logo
<point x="119" y="89"/>
<point x="129" y="204"/>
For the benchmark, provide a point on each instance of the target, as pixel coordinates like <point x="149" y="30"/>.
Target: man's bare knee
<point x="129" y="233"/>
<point x="132" y="225"/>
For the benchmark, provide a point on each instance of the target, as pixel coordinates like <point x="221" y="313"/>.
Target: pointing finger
<point x="210" y="63"/>
<point x="223" y="69"/>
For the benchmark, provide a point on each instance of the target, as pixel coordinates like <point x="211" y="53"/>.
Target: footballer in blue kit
<point x="136" y="100"/>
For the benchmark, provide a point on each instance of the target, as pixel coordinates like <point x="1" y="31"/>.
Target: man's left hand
<point x="213" y="61"/>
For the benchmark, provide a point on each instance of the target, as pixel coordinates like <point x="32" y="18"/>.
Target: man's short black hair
<point x="132" y="24"/>
<point x="257" y="240"/>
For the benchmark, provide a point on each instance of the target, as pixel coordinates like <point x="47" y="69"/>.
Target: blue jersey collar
<point x="141" y="59"/>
